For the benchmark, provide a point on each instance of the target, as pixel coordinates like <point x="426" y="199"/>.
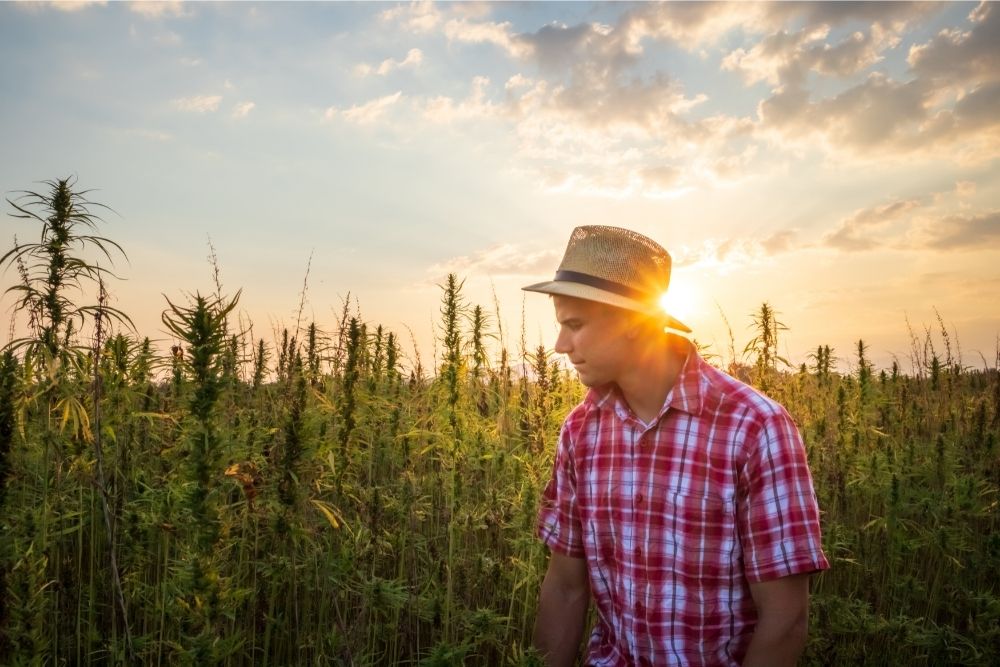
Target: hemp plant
<point x="54" y="267"/>
<point x="56" y="273"/>
<point x="201" y="326"/>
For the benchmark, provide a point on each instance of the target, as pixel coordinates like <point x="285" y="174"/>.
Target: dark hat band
<point x="601" y="283"/>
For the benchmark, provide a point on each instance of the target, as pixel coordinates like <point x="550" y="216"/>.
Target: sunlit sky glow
<point x="838" y="160"/>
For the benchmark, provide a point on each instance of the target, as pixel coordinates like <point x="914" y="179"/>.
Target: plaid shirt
<point x="677" y="518"/>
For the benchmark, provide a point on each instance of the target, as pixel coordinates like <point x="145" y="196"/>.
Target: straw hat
<point x="614" y="266"/>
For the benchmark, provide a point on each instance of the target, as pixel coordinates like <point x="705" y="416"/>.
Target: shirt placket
<point x="641" y="437"/>
<point x="639" y="537"/>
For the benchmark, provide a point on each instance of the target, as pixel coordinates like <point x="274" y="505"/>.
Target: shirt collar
<point x="687" y="394"/>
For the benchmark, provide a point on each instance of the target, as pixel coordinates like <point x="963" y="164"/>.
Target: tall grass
<point x="316" y="503"/>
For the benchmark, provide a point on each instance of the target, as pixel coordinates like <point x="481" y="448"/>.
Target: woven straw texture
<point x="619" y="255"/>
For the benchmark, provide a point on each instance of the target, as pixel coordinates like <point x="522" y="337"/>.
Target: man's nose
<point x="562" y="343"/>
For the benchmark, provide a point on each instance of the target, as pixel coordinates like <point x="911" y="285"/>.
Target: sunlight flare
<point x="682" y="300"/>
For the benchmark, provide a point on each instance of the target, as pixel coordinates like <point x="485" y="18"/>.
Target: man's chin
<point x="590" y="381"/>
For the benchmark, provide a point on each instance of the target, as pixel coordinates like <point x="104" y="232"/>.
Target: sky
<point x="838" y="161"/>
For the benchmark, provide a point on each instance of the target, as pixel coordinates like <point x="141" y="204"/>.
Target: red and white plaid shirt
<point x="677" y="518"/>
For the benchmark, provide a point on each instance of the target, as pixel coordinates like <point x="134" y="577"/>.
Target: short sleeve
<point x="558" y="516"/>
<point x="777" y="513"/>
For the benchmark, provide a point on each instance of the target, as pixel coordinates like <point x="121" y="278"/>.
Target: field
<point x="311" y="501"/>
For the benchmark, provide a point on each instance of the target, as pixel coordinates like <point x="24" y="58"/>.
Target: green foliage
<point x="763" y="347"/>
<point x="54" y="268"/>
<point x="324" y="510"/>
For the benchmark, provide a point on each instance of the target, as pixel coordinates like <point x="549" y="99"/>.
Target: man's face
<point x="594" y="337"/>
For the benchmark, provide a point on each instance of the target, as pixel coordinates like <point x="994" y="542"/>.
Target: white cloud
<point x="59" y="5"/>
<point x="688" y="24"/>
<point x="157" y="10"/>
<point x="368" y="113"/>
<point x="721" y="255"/>
<point x="479" y="32"/>
<point x="506" y="259"/>
<point x="858" y="231"/>
<point x="444" y="109"/>
<point x="198" y="103"/>
<point x="412" y="60"/>
<point x="243" y="109"/>
<point x="517" y="81"/>
<point x="783" y="58"/>
<point x="419" y="17"/>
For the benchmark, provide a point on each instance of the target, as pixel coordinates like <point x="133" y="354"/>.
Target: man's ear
<point x="644" y="326"/>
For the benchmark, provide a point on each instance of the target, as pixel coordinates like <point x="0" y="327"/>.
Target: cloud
<point x="664" y="177"/>
<point x="727" y="255"/>
<point x="365" y="114"/>
<point x="419" y="17"/>
<point x="721" y="255"/>
<point x="68" y="6"/>
<point x="840" y="13"/>
<point x="413" y="59"/>
<point x="783" y="58"/>
<point x="486" y="32"/>
<point x="696" y="24"/>
<point x="779" y="242"/>
<point x="965" y="189"/>
<point x="689" y="24"/>
<point x="159" y="10"/>
<point x="594" y="116"/>
<point x="965" y="232"/>
<point x="856" y="231"/>
<point x="198" y="103"/>
<point x="945" y="110"/>
<point x="656" y="182"/>
<point x="500" y="260"/>
<point x="955" y="55"/>
<point x="588" y="106"/>
<point x="243" y="109"/>
<point x="152" y="135"/>
<point x="862" y="117"/>
<point x="443" y="109"/>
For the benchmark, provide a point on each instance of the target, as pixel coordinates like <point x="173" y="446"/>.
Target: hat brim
<point x="588" y="293"/>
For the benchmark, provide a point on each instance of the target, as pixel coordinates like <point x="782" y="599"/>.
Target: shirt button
<point x="638" y="499"/>
<point x="638" y="552"/>
<point x="644" y="661"/>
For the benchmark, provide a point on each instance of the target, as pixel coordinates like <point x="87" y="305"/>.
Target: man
<point x="680" y="498"/>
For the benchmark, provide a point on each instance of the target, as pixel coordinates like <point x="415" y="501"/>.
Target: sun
<point x="683" y="300"/>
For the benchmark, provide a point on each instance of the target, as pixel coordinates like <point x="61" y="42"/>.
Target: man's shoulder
<point x="577" y="422"/>
<point x="727" y="394"/>
<point x="582" y="411"/>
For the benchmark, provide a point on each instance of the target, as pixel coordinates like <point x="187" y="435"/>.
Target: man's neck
<point x="648" y="381"/>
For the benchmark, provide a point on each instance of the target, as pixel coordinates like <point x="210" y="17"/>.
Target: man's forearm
<point x="777" y="642"/>
<point x="559" y="624"/>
